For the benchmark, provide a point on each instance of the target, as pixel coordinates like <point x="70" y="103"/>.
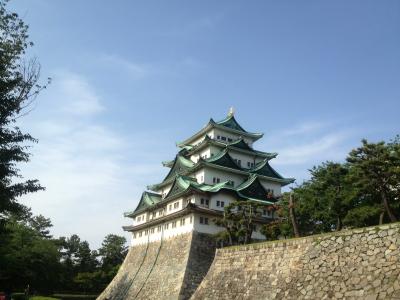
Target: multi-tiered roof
<point x="182" y="167"/>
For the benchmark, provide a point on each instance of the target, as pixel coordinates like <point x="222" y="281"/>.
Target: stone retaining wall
<point x="356" y="264"/>
<point x="171" y="269"/>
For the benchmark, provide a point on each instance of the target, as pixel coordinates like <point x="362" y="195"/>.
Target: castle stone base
<point x="361" y="263"/>
<point x="171" y="269"/>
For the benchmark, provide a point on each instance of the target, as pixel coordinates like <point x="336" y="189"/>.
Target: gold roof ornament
<point x="231" y="112"/>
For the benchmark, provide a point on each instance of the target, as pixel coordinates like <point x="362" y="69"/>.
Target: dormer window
<point x="229" y="140"/>
<point x="223" y="138"/>
<point x="204" y="202"/>
<point x="216" y="180"/>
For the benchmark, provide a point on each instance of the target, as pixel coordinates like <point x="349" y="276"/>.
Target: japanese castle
<point x="214" y="167"/>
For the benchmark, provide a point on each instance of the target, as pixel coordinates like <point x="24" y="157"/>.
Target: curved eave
<point x="252" y="152"/>
<point x="283" y="181"/>
<point x="168" y="163"/>
<point x="212" y="124"/>
<point x="202" y="163"/>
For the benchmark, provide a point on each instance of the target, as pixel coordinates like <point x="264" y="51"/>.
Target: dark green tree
<point x="42" y="225"/>
<point x="376" y="167"/>
<point x="18" y="88"/>
<point x="239" y="219"/>
<point x="28" y="258"/>
<point x="112" y="251"/>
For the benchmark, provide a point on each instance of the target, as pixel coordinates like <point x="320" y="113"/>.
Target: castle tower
<point x="172" y="224"/>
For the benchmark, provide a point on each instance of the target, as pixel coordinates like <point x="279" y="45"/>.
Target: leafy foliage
<point x="18" y="88"/>
<point x="239" y="221"/>
<point x="363" y="191"/>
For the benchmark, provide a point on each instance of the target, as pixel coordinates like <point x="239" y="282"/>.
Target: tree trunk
<point x="381" y="216"/>
<point x="293" y="216"/>
<point x="338" y="224"/>
<point x="387" y="207"/>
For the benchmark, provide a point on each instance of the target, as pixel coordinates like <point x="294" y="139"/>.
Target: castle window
<point x="176" y="205"/>
<point x="204" y="202"/>
<point x="159" y="228"/>
<point x="134" y="235"/>
<point x="138" y="218"/>
<point x="191" y="219"/>
<point x="152" y="230"/>
<point x="146" y="232"/>
<point x="239" y="162"/>
<point x="223" y="138"/>
<point x="218" y="203"/>
<point x="248" y="164"/>
<point x="166" y="226"/>
<point x="229" y="140"/>
<point x="174" y="224"/>
<point x="140" y="234"/>
<point x="182" y="222"/>
<point x="204" y="220"/>
<point x="222" y="203"/>
<point x="216" y="180"/>
<point x="218" y="137"/>
<point x="170" y="207"/>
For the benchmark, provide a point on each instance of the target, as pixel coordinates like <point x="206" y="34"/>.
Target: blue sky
<point x="130" y="78"/>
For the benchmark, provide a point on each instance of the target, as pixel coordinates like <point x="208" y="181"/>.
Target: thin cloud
<point x="85" y="166"/>
<point x="135" y="70"/>
<point x="79" y="98"/>
<point x="304" y="128"/>
<point x="324" y="148"/>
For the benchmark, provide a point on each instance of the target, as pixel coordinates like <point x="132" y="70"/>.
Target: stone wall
<point x="171" y="269"/>
<point x="356" y="264"/>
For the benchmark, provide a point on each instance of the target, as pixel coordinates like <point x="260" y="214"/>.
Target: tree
<point x="239" y="220"/>
<point x="292" y="215"/>
<point x="41" y="224"/>
<point x="112" y="251"/>
<point x="28" y="258"/>
<point x="18" y="88"/>
<point x="377" y="166"/>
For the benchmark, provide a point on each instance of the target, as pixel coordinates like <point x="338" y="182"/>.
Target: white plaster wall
<point x="166" y="231"/>
<point x="181" y="204"/>
<point x="209" y="174"/>
<point x="244" y="158"/>
<point x="143" y="219"/>
<point x="199" y="175"/>
<point x="232" y="136"/>
<point x="211" y="228"/>
<point x="227" y="198"/>
<point x="276" y="187"/>
<point x="205" y="153"/>
<point x="164" y="190"/>
<point x="192" y="222"/>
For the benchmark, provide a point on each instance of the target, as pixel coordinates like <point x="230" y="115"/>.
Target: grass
<point x="74" y="296"/>
<point x="43" y="298"/>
